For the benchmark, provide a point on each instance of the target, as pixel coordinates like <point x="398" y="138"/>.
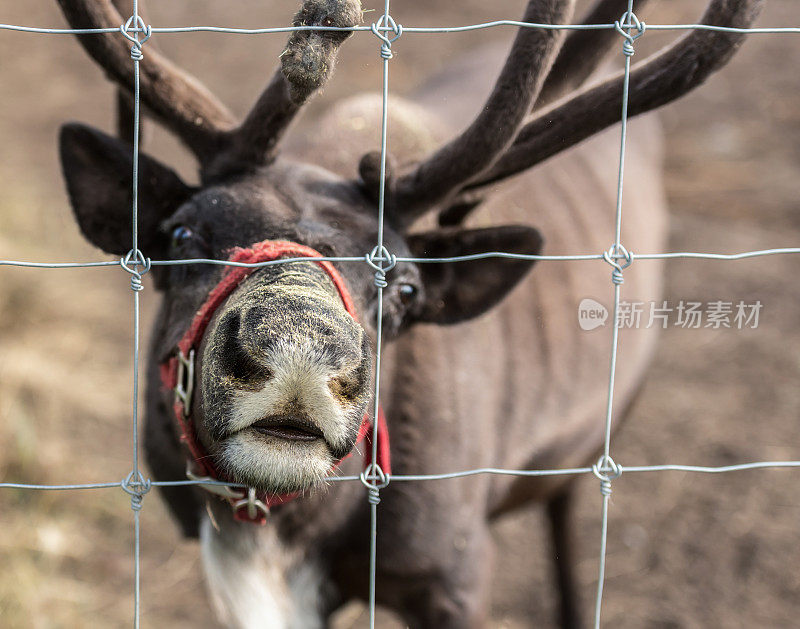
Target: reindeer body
<point x="522" y="387"/>
<point x="482" y="366"/>
<point x="531" y="354"/>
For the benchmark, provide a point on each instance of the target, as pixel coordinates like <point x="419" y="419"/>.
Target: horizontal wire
<point x="699" y="469"/>
<point x="56" y="265"/>
<point x="702" y="469"/>
<point x="464" y="258"/>
<point x="409" y="29"/>
<point x="62" y="31"/>
<point x="725" y="29"/>
<point x="254" y="265"/>
<point x="715" y="256"/>
<point x="60" y="487"/>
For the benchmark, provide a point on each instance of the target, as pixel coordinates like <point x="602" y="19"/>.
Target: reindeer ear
<point x="99" y="173"/>
<point x="457" y="291"/>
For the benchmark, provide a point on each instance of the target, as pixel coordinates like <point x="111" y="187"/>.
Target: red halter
<point x="177" y="374"/>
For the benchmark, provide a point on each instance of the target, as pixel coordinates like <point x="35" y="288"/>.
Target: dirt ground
<point x="685" y="550"/>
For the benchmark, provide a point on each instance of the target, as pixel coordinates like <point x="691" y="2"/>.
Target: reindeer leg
<point x="559" y="513"/>
<point x="455" y="596"/>
<point x="562" y="532"/>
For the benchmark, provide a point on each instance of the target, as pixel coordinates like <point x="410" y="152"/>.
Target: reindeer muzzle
<point x="178" y="375"/>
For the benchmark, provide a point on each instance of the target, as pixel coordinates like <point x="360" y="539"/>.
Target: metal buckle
<point x="252" y="503"/>
<point x="212" y="487"/>
<point x="184" y="381"/>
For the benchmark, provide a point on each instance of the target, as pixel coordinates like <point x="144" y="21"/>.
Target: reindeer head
<point x="284" y="371"/>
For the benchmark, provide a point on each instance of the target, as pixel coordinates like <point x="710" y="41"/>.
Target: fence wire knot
<point x="253" y="505"/>
<point x="131" y="263"/>
<point x="386" y="42"/>
<point x="606" y="470"/>
<point x="630" y="22"/>
<point x="141" y="27"/>
<point x="136" y="486"/>
<point x="375" y="259"/>
<point x="374" y="479"/>
<point x="611" y="256"/>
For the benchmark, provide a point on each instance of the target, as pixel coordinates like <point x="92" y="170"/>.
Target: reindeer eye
<point x="407" y="293"/>
<point x="181" y="235"/>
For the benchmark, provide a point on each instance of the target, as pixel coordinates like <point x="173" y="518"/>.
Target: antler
<point x="495" y="127"/>
<point x="654" y="82"/>
<point x="307" y="63"/>
<point x="175" y="98"/>
<point x="584" y="50"/>
<point x="188" y="109"/>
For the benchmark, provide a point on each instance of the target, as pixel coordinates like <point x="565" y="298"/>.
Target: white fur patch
<point x="300" y="378"/>
<point x="253" y="583"/>
<point x="246" y="591"/>
<point x="305" y="583"/>
<point x="274" y="462"/>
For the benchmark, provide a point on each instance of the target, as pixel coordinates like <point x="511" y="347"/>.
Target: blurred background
<point x="684" y="550"/>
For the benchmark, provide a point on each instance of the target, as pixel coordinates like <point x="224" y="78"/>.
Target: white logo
<point x="591" y="314"/>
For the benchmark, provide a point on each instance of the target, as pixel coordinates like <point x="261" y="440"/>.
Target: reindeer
<point x="484" y="365"/>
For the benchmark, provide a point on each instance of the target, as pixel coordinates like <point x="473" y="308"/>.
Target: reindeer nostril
<point x="344" y="388"/>
<point x="235" y="360"/>
<point x="322" y="329"/>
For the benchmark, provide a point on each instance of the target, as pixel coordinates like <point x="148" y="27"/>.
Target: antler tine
<point x="188" y="109"/>
<point x="584" y="50"/>
<point x="307" y="63"/>
<point x="496" y="125"/>
<point x="656" y="81"/>
<point x="175" y="98"/>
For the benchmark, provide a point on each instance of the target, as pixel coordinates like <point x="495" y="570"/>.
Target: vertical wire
<point x="135" y="244"/>
<point x="605" y="485"/>
<point x="384" y="126"/>
<point x="136" y="475"/>
<point x="612" y="374"/>
<point x="603" y="539"/>
<point x="373" y="505"/>
<point x="381" y="211"/>
<point x="136" y="577"/>
<point x="135" y="209"/>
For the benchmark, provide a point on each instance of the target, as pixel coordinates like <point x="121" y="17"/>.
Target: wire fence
<point x="387" y="31"/>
